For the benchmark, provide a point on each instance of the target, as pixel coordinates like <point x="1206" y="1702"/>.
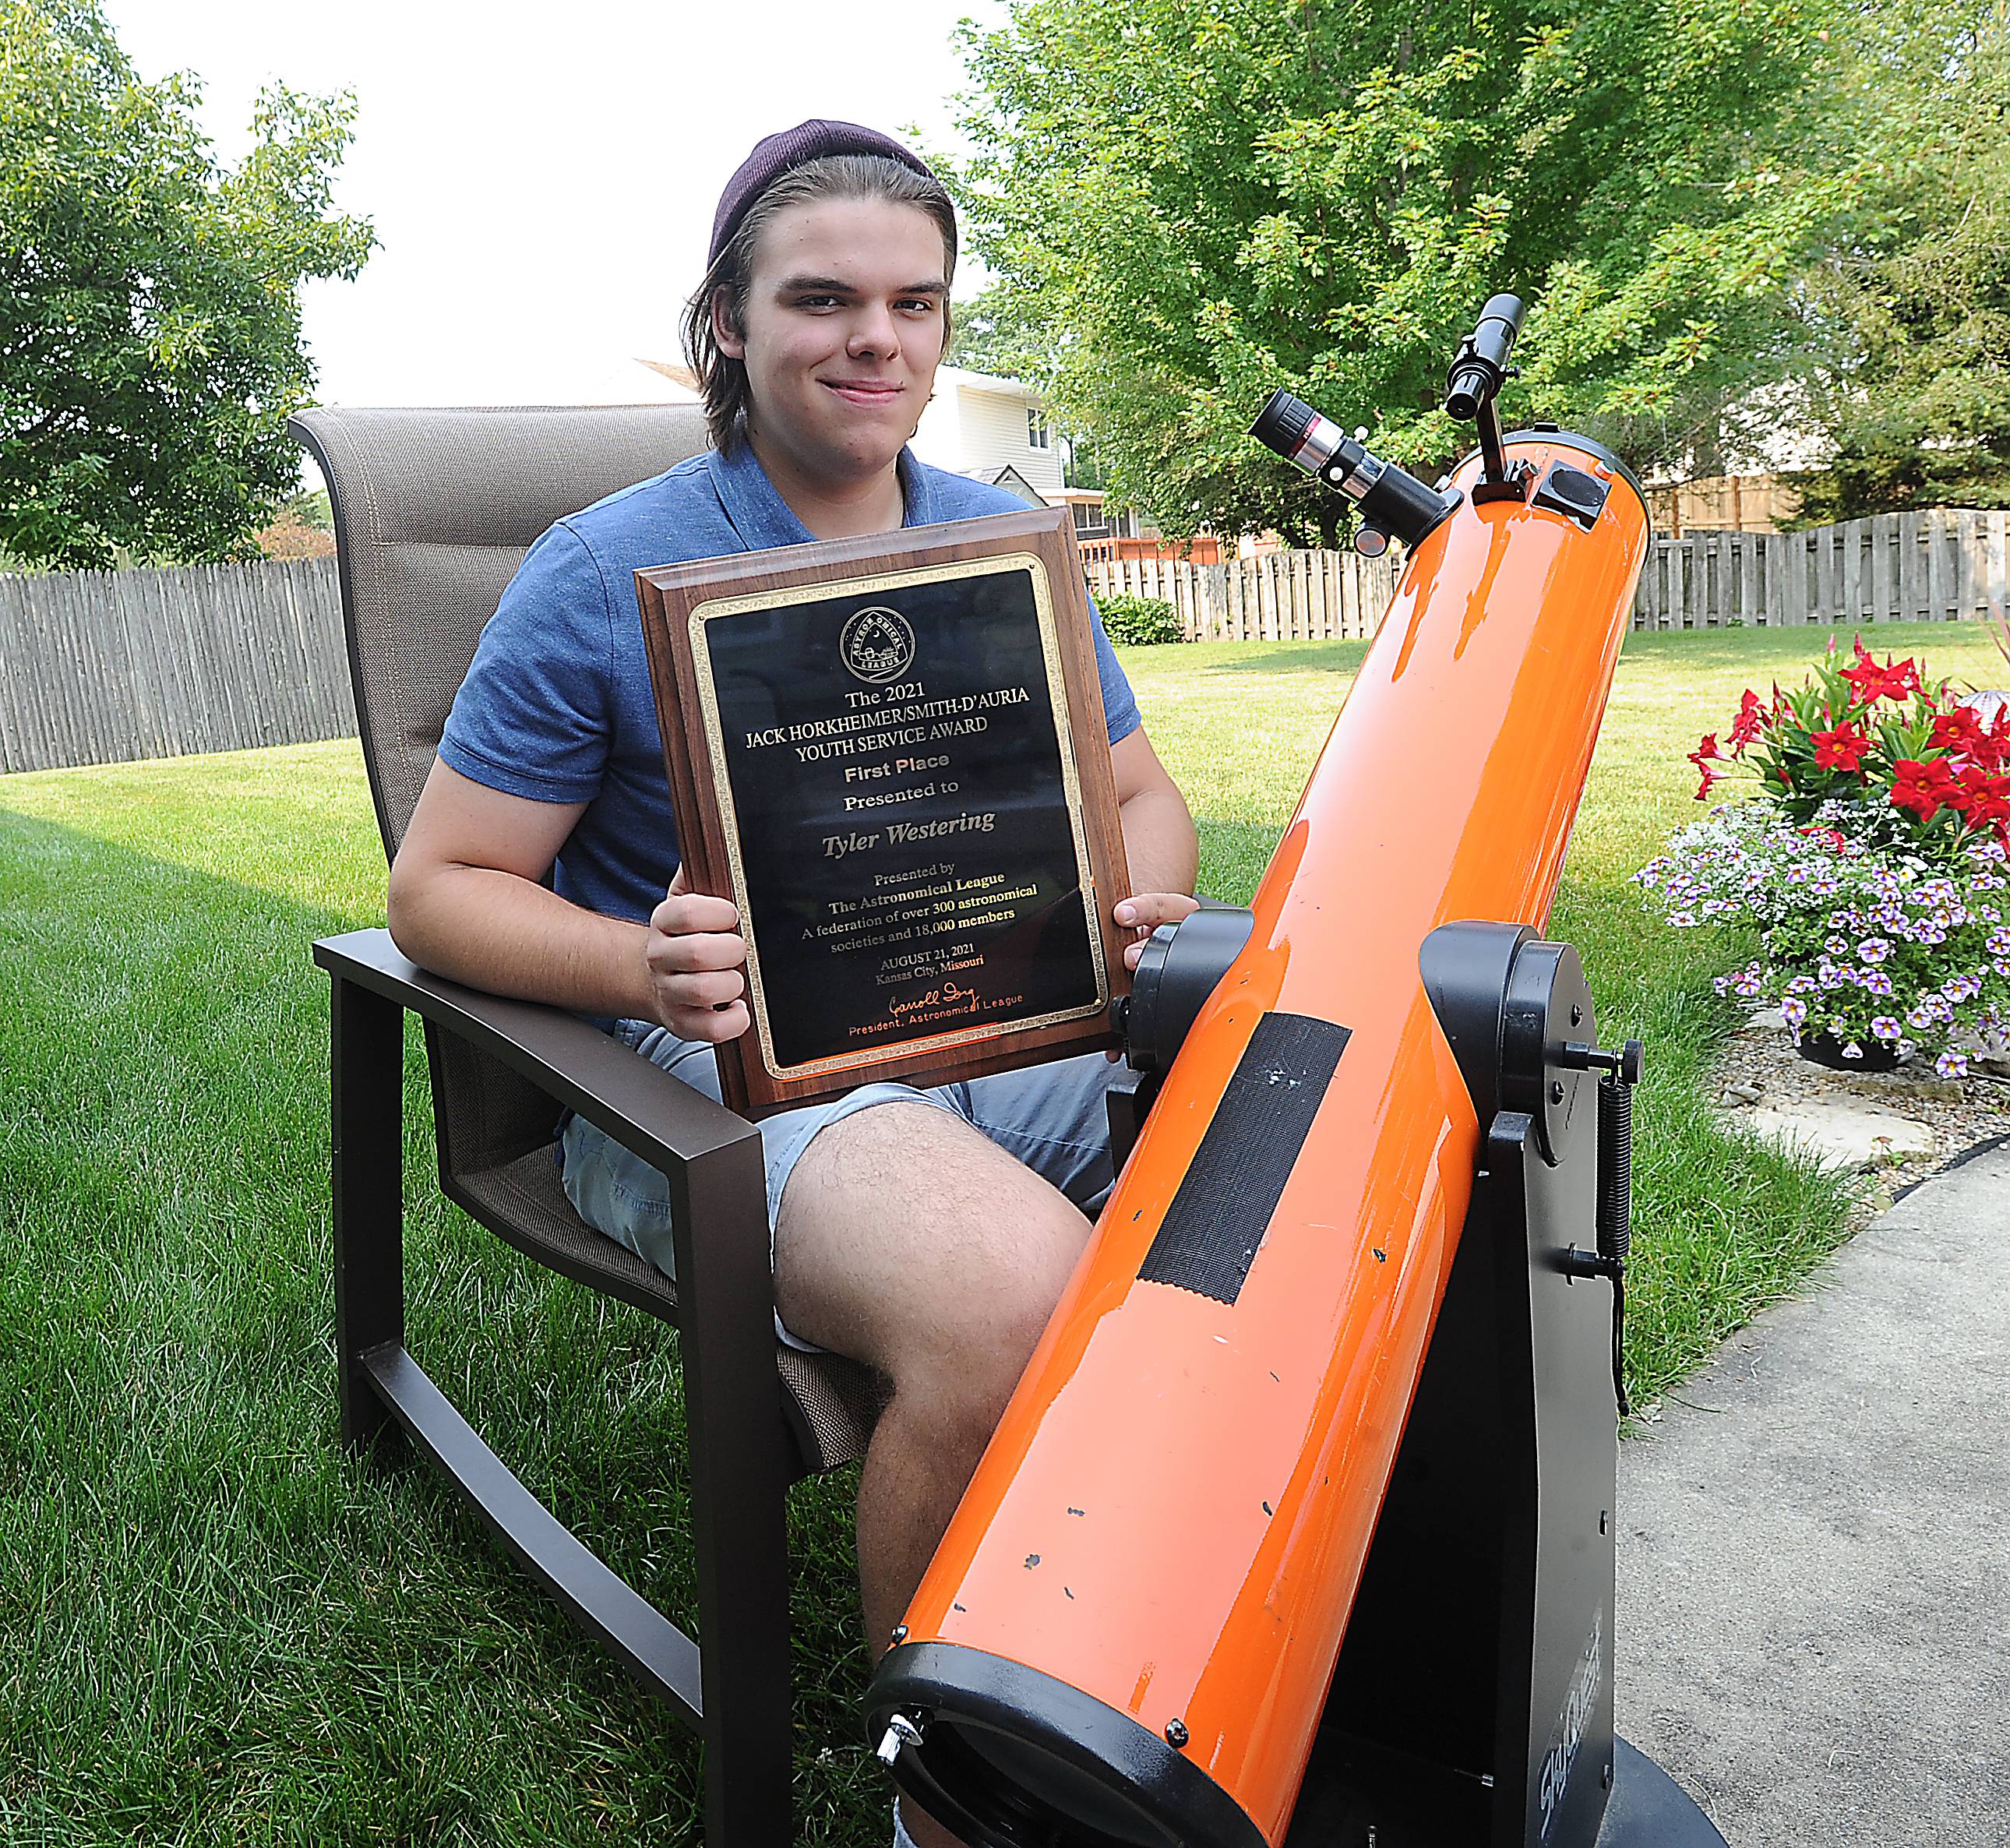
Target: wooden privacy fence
<point x="1945" y="565"/>
<point x="104" y="666"/>
<point x="1282" y="596"/>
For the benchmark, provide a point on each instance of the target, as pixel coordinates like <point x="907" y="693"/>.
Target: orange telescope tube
<point x="1156" y="1560"/>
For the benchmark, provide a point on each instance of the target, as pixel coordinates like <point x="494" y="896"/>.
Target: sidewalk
<point x="1813" y="1630"/>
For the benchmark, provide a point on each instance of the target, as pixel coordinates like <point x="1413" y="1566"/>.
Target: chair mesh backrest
<point x="434" y="510"/>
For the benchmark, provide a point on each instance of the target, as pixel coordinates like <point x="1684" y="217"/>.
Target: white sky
<point x="542" y="177"/>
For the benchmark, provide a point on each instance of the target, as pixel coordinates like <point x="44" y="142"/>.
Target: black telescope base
<point x="1415" y="1805"/>
<point x="1649" y="1809"/>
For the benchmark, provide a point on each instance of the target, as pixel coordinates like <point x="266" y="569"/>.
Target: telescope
<point x="1298" y="1530"/>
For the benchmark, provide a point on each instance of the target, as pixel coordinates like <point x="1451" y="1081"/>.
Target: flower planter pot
<point x="1825" y="1049"/>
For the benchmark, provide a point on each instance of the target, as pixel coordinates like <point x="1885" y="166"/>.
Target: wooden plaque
<point x="889" y="752"/>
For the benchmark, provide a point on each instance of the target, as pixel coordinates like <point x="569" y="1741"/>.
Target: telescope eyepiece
<point x="1469" y="386"/>
<point x="1391" y="500"/>
<point x="1296" y="432"/>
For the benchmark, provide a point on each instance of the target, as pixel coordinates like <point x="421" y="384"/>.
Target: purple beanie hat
<point x="794" y="147"/>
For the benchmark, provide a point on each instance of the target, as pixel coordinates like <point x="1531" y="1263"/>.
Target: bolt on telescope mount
<point x="1393" y="502"/>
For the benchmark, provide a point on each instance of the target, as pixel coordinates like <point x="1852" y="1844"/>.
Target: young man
<point x="927" y="1233"/>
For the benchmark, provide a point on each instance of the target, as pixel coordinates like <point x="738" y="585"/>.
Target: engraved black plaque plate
<point x="903" y="812"/>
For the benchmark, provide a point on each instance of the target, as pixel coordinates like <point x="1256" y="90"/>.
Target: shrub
<point x="1136" y="620"/>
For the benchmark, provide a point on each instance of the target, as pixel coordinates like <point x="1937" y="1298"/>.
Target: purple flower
<point x="1921" y="1017"/>
<point x="1836" y="946"/>
<point x="1960" y="988"/>
<point x="1682" y="920"/>
<point x="1885" y="1027"/>
<point x="1852" y="1051"/>
<point x="1795" y="1010"/>
<point x="1952" y="1065"/>
<point x="1873" y="949"/>
<point x="1877" y="982"/>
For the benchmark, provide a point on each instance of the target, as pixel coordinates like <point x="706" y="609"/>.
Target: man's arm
<point x="465" y="903"/>
<point x="1159" y="841"/>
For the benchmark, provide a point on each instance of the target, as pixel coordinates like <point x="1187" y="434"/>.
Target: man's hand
<point x="697" y="959"/>
<point x="1144" y="911"/>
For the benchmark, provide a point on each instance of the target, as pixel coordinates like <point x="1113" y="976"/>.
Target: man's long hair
<point x="723" y="382"/>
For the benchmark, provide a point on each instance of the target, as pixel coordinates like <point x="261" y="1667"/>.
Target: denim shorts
<point x="1052" y="1117"/>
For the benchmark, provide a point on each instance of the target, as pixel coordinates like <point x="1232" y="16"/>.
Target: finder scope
<point x="1482" y="364"/>
<point x="1477" y="374"/>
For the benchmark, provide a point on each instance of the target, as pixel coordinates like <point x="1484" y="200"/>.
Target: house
<point x="993" y="429"/>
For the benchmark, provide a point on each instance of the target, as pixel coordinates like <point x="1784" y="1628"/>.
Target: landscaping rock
<point x="1851" y="1136"/>
<point x="1958" y="1115"/>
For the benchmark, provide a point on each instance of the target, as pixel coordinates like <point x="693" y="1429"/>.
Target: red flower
<point x="1751" y="720"/>
<point x="1839" y="749"/>
<point x="1957" y="730"/>
<point x="1994" y="814"/>
<point x="1915" y="787"/>
<point x="1871" y="683"/>
<point x="1990" y="744"/>
<point x="1706" y="751"/>
<point x="1984" y="799"/>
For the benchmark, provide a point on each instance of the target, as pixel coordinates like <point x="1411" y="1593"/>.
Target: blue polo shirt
<point x="558" y="706"/>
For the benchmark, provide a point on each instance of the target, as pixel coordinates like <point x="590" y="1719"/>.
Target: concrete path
<point x="1814" y="1560"/>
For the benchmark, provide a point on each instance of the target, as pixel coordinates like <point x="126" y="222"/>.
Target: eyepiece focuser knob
<point x="1393" y="501"/>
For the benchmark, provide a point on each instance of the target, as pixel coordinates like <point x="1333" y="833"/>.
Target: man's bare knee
<point x="907" y="1240"/>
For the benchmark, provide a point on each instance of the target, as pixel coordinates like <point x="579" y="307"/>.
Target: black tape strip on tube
<point x="1208" y="1238"/>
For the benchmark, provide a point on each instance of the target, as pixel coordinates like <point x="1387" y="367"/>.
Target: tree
<point x="993" y="333"/>
<point x="1215" y="197"/>
<point x="150" y="326"/>
<point x="1912" y="305"/>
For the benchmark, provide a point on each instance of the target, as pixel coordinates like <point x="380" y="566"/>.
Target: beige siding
<point x="994" y="437"/>
<point x="938" y="441"/>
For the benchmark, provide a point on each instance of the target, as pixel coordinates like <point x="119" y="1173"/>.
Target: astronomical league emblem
<point x="876" y="644"/>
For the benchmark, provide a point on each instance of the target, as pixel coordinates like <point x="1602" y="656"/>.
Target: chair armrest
<point x="640" y="1105"/>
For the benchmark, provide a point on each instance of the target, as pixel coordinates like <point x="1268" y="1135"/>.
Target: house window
<point x="1036" y="428"/>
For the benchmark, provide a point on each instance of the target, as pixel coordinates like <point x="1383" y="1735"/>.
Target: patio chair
<point x="433" y="510"/>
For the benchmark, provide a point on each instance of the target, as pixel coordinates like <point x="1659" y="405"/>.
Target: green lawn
<point x="214" y="1626"/>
